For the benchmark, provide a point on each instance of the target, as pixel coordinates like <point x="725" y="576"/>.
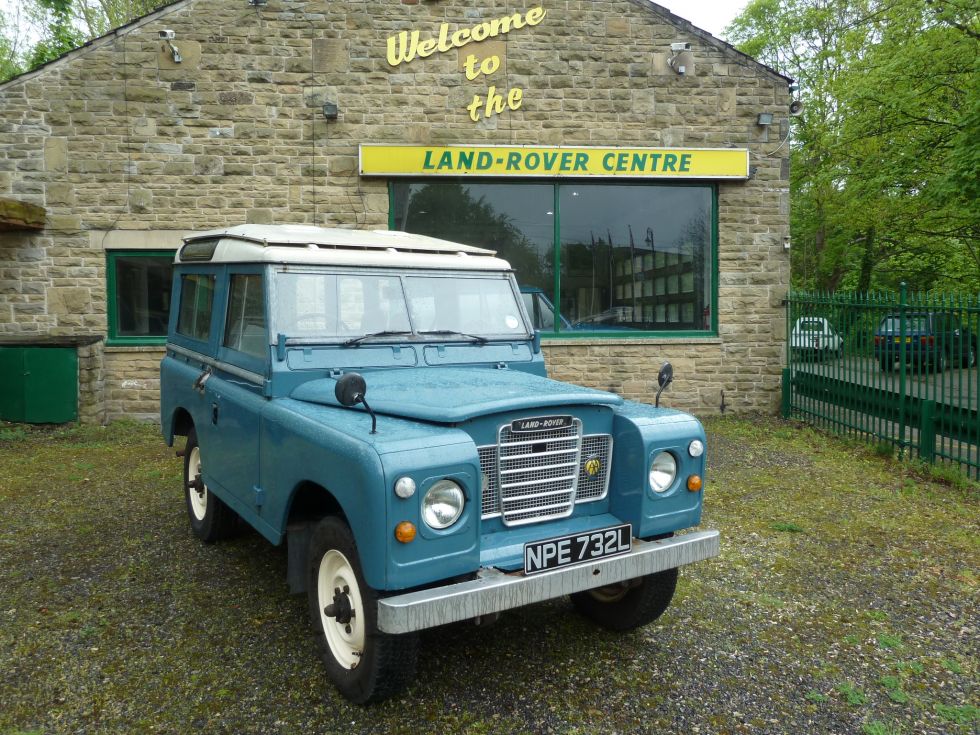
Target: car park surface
<point x="116" y="618"/>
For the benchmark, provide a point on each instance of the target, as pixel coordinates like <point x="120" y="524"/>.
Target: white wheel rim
<point x="199" y="500"/>
<point x="346" y="640"/>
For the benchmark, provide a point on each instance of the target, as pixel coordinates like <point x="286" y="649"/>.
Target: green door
<point x="39" y="384"/>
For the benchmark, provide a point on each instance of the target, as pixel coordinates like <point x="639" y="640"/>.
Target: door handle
<point x="198" y="384"/>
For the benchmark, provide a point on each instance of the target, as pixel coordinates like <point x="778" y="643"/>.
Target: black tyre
<point x="939" y="362"/>
<point x="886" y="365"/>
<point x="630" y="604"/>
<point x="211" y="520"/>
<point x="364" y="664"/>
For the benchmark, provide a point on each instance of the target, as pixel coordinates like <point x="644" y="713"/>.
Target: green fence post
<point x="902" y="367"/>
<point x="787" y="395"/>
<point x="927" y="431"/>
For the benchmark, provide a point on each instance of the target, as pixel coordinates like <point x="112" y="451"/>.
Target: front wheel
<point x="211" y="520"/>
<point x="628" y="605"/>
<point x="364" y="664"/>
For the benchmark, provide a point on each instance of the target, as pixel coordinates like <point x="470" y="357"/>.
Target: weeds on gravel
<point x="852" y="694"/>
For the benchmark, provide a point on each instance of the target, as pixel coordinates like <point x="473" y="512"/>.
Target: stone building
<point x="632" y="168"/>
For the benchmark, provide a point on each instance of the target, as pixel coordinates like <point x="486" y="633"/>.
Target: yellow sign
<point x="556" y="161"/>
<point x="592" y="466"/>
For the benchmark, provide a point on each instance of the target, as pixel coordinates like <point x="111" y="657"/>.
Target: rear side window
<point x="245" y="328"/>
<point x="196" y="300"/>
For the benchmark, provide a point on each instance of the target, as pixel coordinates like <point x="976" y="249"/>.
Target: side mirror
<point x="350" y="389"/>
<point x="664" y="378"/>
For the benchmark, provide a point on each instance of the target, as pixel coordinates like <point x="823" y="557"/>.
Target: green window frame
<point x="554" y="290"/>
<point x="119" y="297"/>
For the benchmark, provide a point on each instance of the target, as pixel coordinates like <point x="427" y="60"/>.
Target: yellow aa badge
<point x="592" y="466"/>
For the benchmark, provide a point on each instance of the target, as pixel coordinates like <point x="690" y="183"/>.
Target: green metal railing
<point x="899" y="369"/>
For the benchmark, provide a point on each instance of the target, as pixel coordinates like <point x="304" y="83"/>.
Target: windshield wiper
<point x="450" y="333"/>
<point x="354" y="341"/>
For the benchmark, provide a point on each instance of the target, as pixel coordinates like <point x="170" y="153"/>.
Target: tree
<point x="883" y="156"/>
<point x="58" y="26"/>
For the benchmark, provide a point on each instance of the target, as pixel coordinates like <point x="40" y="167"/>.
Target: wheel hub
<point x="340" y="609"/>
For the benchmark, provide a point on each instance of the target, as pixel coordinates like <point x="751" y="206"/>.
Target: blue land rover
<point x="379" y="401"/>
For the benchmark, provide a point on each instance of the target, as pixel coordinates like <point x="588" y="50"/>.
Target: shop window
<point x="627" y="258"/>
<point x="196" y="301"/>
<point x="138" y="289"/>
<point x="245" y="326"/>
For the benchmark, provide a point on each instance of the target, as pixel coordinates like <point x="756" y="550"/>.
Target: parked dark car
<point x="932" y="340"/>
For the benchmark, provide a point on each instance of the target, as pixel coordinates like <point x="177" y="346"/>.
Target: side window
<point x="196" y="300"/>
<point x="245" y="325"/>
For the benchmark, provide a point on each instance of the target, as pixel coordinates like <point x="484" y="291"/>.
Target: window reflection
<point x="631" y="257"/>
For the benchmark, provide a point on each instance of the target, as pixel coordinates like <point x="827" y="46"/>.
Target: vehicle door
<point x="193" y="342"/>
<point x="237" y="394"/>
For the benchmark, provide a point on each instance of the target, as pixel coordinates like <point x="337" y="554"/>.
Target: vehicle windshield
<point x="434" y="306"/>
<point x="810" y="325"/>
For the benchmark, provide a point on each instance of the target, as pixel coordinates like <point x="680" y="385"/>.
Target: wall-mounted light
<point x="330" y="110"/>
<point x="764" y="120"/>
<point x="258" y="2"/>
<point x="168" y="36"/>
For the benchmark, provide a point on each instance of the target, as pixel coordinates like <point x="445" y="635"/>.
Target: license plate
<point x="577" y="548"/>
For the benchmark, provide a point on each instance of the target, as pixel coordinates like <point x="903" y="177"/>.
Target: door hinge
<point x="259" y="496"/>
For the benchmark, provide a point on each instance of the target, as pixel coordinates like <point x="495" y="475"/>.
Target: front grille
<point x="530" y="477"/>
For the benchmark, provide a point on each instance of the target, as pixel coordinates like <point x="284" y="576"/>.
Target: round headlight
<point x="663" y="470"/>
<point x="695" y="448"/>
<point x="443" y="504"/>
<point x="405" y="487"/>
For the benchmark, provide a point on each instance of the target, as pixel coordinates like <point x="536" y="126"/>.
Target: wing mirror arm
<point x="350" y="390"/>
<point x="664" y="378"/>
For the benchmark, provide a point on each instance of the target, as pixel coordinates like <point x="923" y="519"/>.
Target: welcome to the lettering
<point x="406" y="46"/>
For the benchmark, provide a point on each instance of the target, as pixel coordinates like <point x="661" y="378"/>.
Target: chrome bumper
<point x="494" y="591"/>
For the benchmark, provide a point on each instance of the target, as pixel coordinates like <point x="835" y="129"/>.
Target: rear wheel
<point x="211" y="520"/>
<point x="628" y="605"/>
<point x="939" y="362"/>
<point x="364" y="664"/>
<point x="886" y="364"/>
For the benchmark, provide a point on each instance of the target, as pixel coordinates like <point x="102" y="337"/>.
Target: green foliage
<point x="852" y="695"/>
<point x="885" y="160"/>
<point x="962" y="715"/>
<point x="54" y="27"/>
<point x="786" y="527"/>
<point x="886" y="640"/>
<point x="877" y="727"/>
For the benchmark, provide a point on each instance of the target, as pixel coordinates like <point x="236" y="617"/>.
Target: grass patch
<point x="964" y="714"/>
<point x="786" y="527"/>
<point x="852" y="695"/>
<point x="886" y="640"/>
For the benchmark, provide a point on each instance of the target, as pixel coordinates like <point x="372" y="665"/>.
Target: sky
<point x="711" y="15"/>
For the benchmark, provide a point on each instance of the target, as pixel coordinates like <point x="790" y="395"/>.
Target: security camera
<point x="680" y="46"/>
<point x="794" y="88"/>
<point x="167" y="35"/>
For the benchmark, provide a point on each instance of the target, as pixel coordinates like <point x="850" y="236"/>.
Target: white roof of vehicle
<point x="310" y="245"/>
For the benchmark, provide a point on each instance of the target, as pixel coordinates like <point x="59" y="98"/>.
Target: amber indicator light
<point x="694" y="483"/>
<point x="405" y="532"/>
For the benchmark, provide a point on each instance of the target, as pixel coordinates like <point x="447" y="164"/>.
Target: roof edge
<point x="713" y="40"/>
<point x="97" y="42"/>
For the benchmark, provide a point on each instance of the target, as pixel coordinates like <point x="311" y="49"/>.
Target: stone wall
<point x="132" y="383"/>
<point x="118" y="139"/>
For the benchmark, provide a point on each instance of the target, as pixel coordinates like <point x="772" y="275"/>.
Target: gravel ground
<point x="845" y="601"/>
